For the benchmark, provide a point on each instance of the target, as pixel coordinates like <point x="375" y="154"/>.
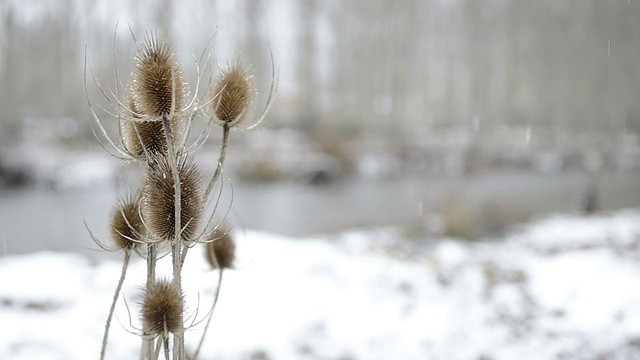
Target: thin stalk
<point x="116" y="294"/>
<point x="176" y="244"/>
<point x="156" y="354"/>
<point x="223" y="152"/>
<point x="166" y="347"/>
<point x="184" y="255"/>
<point x="147" y="344"/>
<point x="151" y="263"/>
<point x="206" y="327"/>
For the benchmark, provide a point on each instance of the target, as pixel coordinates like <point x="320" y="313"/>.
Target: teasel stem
<point x="206" y="327"/>
<point x="176" y="244"/>
<point x="151" y="263"/>
<point x="116" y="294"/>
<point x="166" y="347"/>
<point x="220" y="254"/>
<point x="226" y="130"/>
<point x="147" y="344"/>
<point x="156" y="351"/>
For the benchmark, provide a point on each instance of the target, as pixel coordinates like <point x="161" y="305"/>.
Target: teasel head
<point x="158" y="199"/>
<point x="157" y="84"/>
<point x="220" y="249"/>
<point x="162" y="309"/>
<point x="126" y="227"/>
<point x="234" y="94"/>
<point x="143" y="138"/>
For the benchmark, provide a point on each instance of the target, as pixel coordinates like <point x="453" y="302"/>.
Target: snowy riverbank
<point x="564" y="287"/>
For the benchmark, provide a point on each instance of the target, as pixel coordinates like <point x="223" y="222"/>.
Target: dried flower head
<point x="147" y="137"/>
<point x="150" y="132"/>
<point x="127" y="229"/>
<point x="234" y="94"/>
<point x="162" y="308"/>
<point x="158" y="198"/>
<point x="157" y="82"/>
<point x="220" y="250"/>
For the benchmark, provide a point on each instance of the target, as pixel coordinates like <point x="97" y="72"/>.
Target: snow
<point x="563" y="287"/>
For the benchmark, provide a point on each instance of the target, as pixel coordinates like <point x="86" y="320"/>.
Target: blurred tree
<point x="10" y="114"/>
<point x="308" y="93"/>
<point x="394" y="72"/>
<point x="41" y="72"/>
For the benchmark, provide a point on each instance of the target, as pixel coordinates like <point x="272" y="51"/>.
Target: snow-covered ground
<point x="564" y="287"/>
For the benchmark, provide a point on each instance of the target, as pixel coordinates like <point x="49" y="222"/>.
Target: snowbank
<point x="563" y="287"/>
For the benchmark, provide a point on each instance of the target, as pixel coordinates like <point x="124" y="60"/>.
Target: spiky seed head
<point x="157" y="82"/>
<point x="162" y="308"/>
<point x="221" y="250"/>
<point x="158" y="199"/>
<point x="151" y="133"/>
<point x="234" y="94"/>
<point x="127" y="229"/>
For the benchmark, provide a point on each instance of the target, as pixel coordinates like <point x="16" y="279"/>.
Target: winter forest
<point x="401" y="75"/>
<point x="434" y="179"/>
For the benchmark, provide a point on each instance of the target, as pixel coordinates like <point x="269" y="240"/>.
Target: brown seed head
<point x="127" y="229"/>
<point x="162" y="307"/>
<point x="221" y="250"/>
<point x="158" y="199"/>
<point x="234" y="94"/>
<point x="150" y="132"/>
<point x="157" y="83"/>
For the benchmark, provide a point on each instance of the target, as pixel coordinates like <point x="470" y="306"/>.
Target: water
<point x="41" y="219"/>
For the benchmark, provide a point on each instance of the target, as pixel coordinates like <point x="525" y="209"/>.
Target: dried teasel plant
<point x="154" y="113"/>
<point x="157" y="85"/>
<point x="126" y="227"/>
<point x="159" y="201"/>
<point x="220" y="249"/>
<point x="156" y="92"/>
<point x="127" y="234"/>
<point x="142" y="139"/>
<point x="220" y="253"/>
<point x="235" y="94"/>
<point x="161" y="308"/>
<point x="234" y="98"/>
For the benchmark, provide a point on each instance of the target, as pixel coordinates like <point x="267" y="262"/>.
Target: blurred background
<point x="461" y="118"/>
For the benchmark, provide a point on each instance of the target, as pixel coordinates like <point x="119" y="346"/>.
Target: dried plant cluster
<point x="167" y="214"/>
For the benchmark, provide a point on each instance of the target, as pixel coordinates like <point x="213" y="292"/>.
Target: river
<point x="34" y="219"/>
